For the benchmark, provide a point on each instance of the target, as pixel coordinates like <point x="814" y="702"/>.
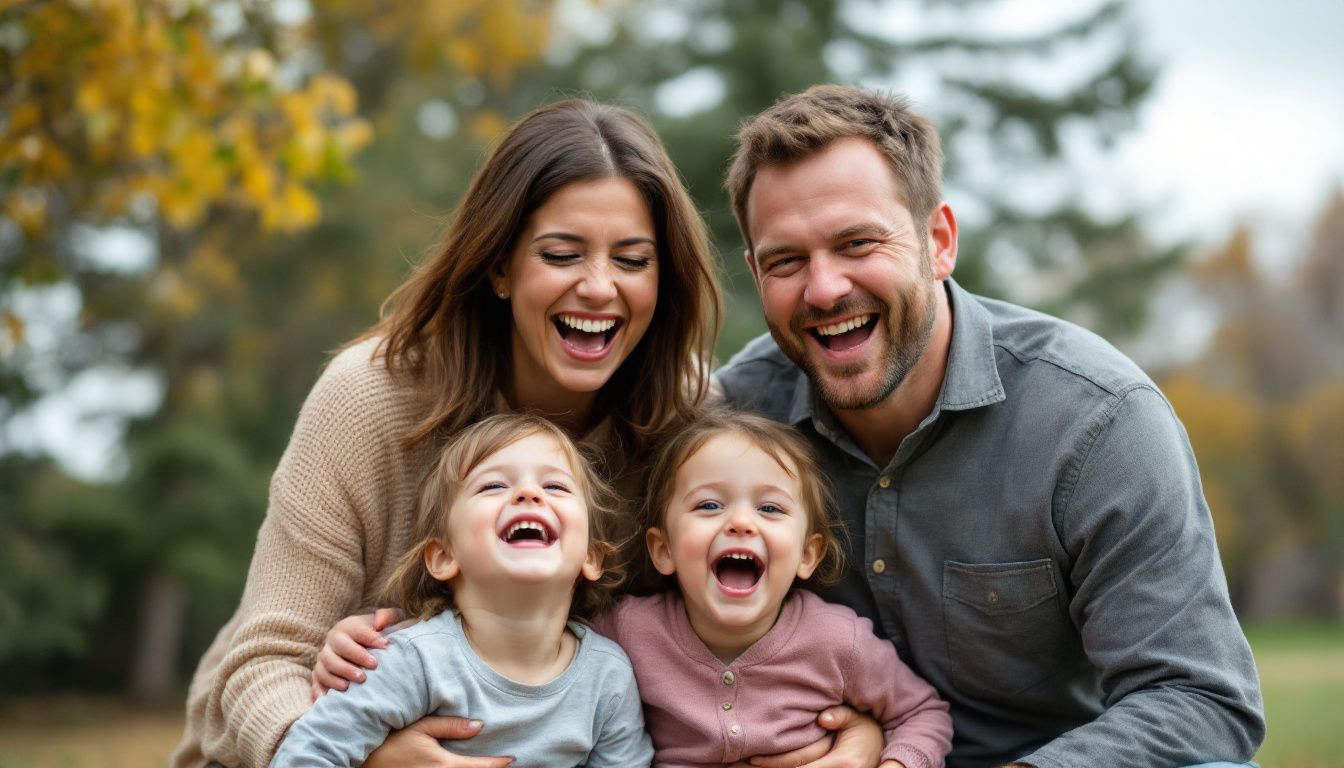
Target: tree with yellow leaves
<point x="217" y="133"/>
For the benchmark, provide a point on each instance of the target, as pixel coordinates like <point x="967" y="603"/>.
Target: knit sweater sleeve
<point x="914" y="720"/>
<point x="309" y="566"/>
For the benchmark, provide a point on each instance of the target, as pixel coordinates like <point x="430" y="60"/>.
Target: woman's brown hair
<point x="447" y="332"/>
<point x="780" y="442"/>
<point x="410" y="585"/>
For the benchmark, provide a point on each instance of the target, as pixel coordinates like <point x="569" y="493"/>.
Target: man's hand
<point x="856" y="743"/>
<point x="417" y="746"/>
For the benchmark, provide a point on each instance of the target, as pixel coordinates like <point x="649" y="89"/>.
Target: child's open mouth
<point x="527" y="532"/>
<point x="845" y="334"/>
<point x="738" y="572"/>
<point x="586" y="336"/>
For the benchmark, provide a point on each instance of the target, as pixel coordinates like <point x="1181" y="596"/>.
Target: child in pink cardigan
<point x="732" y="660"/>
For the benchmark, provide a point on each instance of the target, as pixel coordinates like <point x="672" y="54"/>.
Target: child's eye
<point x="556" y="487"/>
<point x="493" y="485"/>
<point x="710" y="506"/>
<point x="771" y="509"/>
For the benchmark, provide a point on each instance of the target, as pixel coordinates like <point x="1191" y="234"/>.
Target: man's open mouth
<point x="527" y="532"/>
<point x="845" y="334"/>
<point x="738" y="570"/>
<point x="585" y="334"/>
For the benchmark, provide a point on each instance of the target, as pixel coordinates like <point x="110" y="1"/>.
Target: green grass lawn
<point x="1302" y="677"/>
<point x="1301" y="672"/>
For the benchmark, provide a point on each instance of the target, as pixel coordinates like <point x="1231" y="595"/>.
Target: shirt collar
<point x="972" y="376"/>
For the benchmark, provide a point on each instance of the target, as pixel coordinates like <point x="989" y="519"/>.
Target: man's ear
<point x="813" y="550"/>
<point x="439" y="561"/>
<point x="592" y="565"/>
<point x="660" y="551"/>
<point x="942" y="241"/>
<point x="751" y="263"/>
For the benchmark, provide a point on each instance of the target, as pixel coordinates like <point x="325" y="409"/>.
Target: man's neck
<point x="521" y="635"/>
<point x="880" y="430"/>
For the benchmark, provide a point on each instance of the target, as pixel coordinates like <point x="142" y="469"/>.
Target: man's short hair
<point x="808" y="122"/>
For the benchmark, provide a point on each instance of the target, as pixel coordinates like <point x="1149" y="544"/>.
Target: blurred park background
<point x="199" y="201"/>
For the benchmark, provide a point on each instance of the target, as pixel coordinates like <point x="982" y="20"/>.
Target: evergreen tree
<point x="1009" y="106"/>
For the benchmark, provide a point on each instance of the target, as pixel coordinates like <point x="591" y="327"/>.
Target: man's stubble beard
<point x="908" y="340"/>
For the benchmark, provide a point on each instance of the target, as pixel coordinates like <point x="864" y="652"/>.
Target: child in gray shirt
<point x="510" y="526"/>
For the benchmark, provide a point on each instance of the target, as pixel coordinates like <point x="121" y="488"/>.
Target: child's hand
<point x="346" y="646"/>
<point x="857" y="742"/>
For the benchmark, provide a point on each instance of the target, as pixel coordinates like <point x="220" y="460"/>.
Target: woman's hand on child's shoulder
<point x="856" y="743"/>
<point x="346" y="650"/>
<point x="417" y="746"/>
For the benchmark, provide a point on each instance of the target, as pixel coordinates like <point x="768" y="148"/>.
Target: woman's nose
<point x="598" y="286"/>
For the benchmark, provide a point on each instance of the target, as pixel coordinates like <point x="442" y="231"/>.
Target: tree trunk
<point x="162" y="607"/>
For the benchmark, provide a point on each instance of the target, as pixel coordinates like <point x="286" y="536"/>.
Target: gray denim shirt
<point x="1039" y="549"/>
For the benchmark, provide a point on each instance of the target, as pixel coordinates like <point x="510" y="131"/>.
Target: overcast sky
<point x="1248" y="115"/>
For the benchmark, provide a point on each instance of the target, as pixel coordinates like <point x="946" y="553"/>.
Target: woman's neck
<point x="520" y="635"/>
<point x="569" y="410"/>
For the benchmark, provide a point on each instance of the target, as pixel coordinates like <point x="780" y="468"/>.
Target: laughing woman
<point x="575" y="281"/>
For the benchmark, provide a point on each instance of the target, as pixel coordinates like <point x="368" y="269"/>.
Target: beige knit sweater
<point x="340" y="515"/>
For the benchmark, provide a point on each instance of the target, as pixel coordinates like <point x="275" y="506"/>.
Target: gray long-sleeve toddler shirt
<point x="589" y="715"/>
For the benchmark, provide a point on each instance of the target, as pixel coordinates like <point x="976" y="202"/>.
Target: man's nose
<point x="827" y="281"/>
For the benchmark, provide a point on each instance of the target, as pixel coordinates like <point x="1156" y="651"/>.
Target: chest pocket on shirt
<point x="1005" y="632"/>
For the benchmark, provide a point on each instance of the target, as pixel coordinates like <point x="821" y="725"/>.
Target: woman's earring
<point x="502" y="293"/>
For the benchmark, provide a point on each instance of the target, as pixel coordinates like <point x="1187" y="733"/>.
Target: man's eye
<point x="783" y="264"/>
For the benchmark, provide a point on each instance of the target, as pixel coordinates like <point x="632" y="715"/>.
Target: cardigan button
<point x="728" y="678"/>
<point x="735" y="730"/>
<point x="727" y="705"/>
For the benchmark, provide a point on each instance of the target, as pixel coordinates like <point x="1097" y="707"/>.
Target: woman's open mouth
<point x="845" y="334"/>
<point x="586" y="337"/>
<point x="738" y="572"/>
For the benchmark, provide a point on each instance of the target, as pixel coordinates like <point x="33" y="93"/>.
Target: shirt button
<point x="727" y="705"/>
<point x="992" y="597"/>
<point x="879" y="566"/>
<point x="735" y="730"/>
<point x="884" y="481"/>
<point x="727" y="678"/>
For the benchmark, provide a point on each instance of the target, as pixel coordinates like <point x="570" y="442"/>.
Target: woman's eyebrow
<point x="566" y="236"/>
<point x="569" y="237"/>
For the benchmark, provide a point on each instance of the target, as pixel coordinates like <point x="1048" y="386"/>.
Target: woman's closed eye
<point x="558" y="257"/>
<point x="633" y="263"/>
